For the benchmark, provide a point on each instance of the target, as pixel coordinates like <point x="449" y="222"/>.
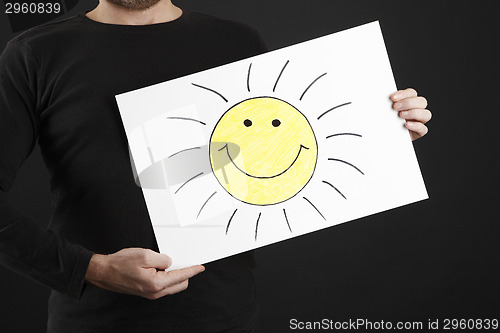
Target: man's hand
<point x="139" y="272"/>
<point x="412" y="108"/>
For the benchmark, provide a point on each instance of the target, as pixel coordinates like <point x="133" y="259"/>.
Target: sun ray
<point x="230" y="219"/>
<point x="286" y="218"/>
<point x="248" y="77"/>
<point x="339" y="134"/>
<point x="336" y="189"/>
<point x="257" y="225"/>
<point x="181" y="151"/>
<point x="187" y="181"/>
<point x="335" y="107"/>
<point x="215" y="92"/>
<point x="350" y="164"/>
<point x="314" y="207"/>
<point x="279" y="76"/>
<point x="309" y="86"/>
<point x="190" y="119"/>
<point x="203" y="206"/>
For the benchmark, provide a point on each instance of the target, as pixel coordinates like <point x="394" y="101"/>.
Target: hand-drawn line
<point x="184" y="118"/>
<point x="335" y="107"/>
<point x="257" y="225"/>
<point x="309" y="86"/>
<point x="262" y="177"/>
<point x="336" y="189"/>
<point x="314" y="207"/>
<point x="248" y="77"/>
<point x="187" y="181"/>
<point x="286" y="218"/>
<point x="230" y="219"/>
<point x="279" y="76"/>
<point x="338" y="134"/>
<point x="352" y="165"/>
<point x="215" y="92"/>
<point x="210" y="197"/>
<point x="184" y="151"/>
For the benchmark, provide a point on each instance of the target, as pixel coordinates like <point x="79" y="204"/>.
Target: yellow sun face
<point x="263" y="151"/>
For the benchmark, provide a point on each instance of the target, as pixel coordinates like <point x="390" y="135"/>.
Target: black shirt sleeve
<point x="26" y="247"/>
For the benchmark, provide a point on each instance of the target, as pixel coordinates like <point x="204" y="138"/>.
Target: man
<point x="99" y="254"/>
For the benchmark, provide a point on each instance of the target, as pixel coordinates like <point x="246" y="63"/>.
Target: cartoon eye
<point x="247" y="122"/>
<point x="276" y="122"/>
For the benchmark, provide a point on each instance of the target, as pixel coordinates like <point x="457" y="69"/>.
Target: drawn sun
<point x="263" y="150"/>
<point x="268" y="149"/>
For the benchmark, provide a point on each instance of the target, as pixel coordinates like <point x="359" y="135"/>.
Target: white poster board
<point x="271" y="147"/>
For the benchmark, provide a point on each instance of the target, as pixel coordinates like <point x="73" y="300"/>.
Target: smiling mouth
<point x="262" y="177"/>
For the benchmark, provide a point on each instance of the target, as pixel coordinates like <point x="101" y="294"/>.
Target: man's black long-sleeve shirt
<point x="57" y="88"/>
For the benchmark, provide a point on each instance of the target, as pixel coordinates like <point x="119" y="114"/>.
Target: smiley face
<point x="263" y="151"/>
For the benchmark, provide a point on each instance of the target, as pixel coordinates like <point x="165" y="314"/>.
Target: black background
<point x="434" y="259"/>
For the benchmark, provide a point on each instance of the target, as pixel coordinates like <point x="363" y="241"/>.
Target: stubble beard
<point x="134" y="4"/>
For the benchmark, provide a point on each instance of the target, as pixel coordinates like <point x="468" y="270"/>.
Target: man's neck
<point x="163" y="11"/>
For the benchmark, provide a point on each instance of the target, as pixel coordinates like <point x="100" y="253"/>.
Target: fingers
<point x="402" y="94"/>
<point x="179" y="275"/>
<point x="181" y="286"/>
<point x="417" y="130"/>
<point x="168" y="283"/>
<point x="416" y="102"/>
<point x="420" y="115"/>
<point x="152" y="259"/>
<point x="177" y="288"/>
<point x="412" y="108"/>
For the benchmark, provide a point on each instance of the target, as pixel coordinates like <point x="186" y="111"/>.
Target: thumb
<point x="157" y="260"/>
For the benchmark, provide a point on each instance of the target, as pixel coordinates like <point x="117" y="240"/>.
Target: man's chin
<point x="134" y="4"/>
